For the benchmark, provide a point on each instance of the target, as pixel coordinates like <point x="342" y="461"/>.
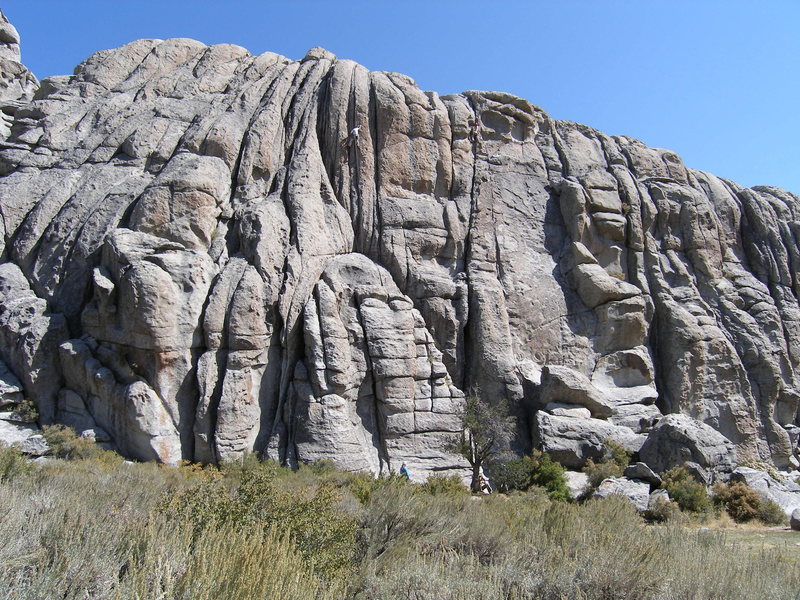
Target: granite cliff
<point x="202" y="258"/>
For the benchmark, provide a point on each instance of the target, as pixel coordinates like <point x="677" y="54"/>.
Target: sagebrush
<point x="101" y="529"/>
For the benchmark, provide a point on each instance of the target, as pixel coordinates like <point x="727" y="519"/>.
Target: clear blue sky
<point x="716" y="81"/>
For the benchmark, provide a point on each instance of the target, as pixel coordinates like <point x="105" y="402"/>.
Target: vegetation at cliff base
<point x="102" y="528"/>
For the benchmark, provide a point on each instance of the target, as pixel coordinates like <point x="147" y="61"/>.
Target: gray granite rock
<point x="794" y="520"/>
<point x="578" y="483"/>
<point x="678" y="440"/>
<point x="574" y="440"/>
<point x="639" y="470"/>
<point x="785" y="494"/>
<point x="26" y="438"/>
<point x="11" y="392"/>
<point x="635" y="490"/>
<point x="201" y="260"/>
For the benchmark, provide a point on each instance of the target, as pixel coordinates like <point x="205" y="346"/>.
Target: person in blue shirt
<point x="404" y="471"/>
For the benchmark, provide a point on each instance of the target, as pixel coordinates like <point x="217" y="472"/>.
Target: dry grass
<point x="100" y="529"/>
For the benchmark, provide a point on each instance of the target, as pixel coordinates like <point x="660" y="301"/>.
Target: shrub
<point x="664" y="511"/>
<point x="597" y="472"/>
<point x="538" y="469"/>
<point x="26" y="411"/>
<point x="618" y="454"/>
<point x="444" y="484"/>
<point x="65" y="443"/>
<point x="738" y="500"/>
<point x="689" y="494"/>
<point x="744" y="504"/>
<point x="550" y="475"/>
<point x="613" y="464"/>
<point x="513" y="474"/>
<point x="12" y="463"/>
<point x="362" y="485"/>
<point x="323" y="535"/>
<point x="771" y="513"/>
<point x="74" y="531"/>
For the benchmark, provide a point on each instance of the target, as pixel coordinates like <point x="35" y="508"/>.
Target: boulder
<point x="785" y="494"/>
<point x="640" y="470"/>
<point x="563" y="385"/>
<point x="572" y="441"/>
<point x="635" y="490"/>
<point x="657" y="496"/>
<point x="678" y="439"/>
<point x="578" y="483"/>
<point x="639" y="417"/>
<point x="567" y="410"/>
<point x="11" y="393"/>
<point x="794" y="520"/>
<point x="26" y="439"/>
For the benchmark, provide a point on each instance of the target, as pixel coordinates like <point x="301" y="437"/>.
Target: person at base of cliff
<point x="404" y="472"/>
<point x="483" y="481"/>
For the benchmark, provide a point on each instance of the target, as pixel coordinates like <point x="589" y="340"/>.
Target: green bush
<point x="739" y="501"/>
<point x="538" y="469"/>
<point x="690" y="495"/>
<point x="76" y="531"/>
<point x="597" y="472"/>
<point x="744" y="504"/>
<point x="771" y="513"/>
<point x="618" y="454"/>
<point x="65" y="443"/>
<point x="26" y="411"/>
<point x="613" y="464"/>
<point x="12" y="463"/>
<point x="664" y="511"/>
<point x="444" y="484"/>
<point x="324" y="535"/>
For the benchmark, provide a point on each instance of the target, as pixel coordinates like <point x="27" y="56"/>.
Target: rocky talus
<point x="201" y="258"/>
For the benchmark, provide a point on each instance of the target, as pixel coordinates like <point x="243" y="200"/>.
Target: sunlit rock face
<point x="200" y="259"/>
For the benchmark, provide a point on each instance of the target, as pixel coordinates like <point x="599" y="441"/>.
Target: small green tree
<point x="484" y="430"/>
<point x="538" y="469"/>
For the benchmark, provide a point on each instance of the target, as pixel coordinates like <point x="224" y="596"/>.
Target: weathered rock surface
<point x="785" y="494"/>
<point x="681" y="441"/>
<point x="577" y="483"/>
<point x="635" y="490"/>
<point x="26" y="438"/>
<point x="11" y="393"/>
<point x="17" y="83"/>
<point x="639" y="470"/>
<point x="199" y="259"/>
<point x="794" y="520"/>
<point x="574" y="440"/>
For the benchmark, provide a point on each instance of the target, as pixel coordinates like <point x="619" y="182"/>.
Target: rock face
<point x="201" y="260"/>
<point x="679" y="440"/>
<point x="635" y="490"/>
<point x="785" y="494"/>
<point x="17" y="83"/>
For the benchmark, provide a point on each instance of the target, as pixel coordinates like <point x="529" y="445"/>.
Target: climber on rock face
<point x="354" y="134"/>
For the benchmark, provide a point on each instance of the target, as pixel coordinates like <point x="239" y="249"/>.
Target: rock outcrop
<point x="200" y="259"/>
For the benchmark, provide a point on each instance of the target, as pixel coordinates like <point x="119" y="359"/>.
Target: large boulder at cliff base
<point x="678" y="440"/>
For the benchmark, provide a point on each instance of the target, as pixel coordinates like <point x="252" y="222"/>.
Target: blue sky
<point x="718" y="82"/>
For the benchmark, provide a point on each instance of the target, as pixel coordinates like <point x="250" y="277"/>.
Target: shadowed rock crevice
<point x="205" y="260"/>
